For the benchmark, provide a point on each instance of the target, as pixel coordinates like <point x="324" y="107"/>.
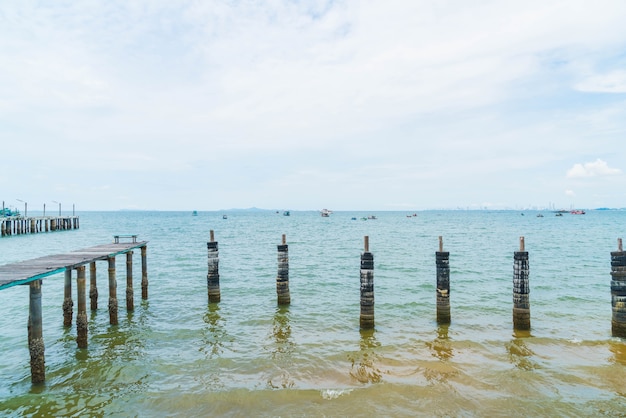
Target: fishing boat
<point x="194" y="213"/>
<point x="224" y="216"/>
<point x="286" y="213"/>
<point x="9" y="212"/>
<point x="325" y="213"/>
<point x="577" y="212"/>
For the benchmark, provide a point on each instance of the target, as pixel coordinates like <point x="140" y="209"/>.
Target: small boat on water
<point x="9" y="212"/>
<point x="539" y="215"/>
<point x="372" y="217"/>
<point x="577" y="212"/>
<point x="194" y="213"/>
<point x="286" y="213"/>
<point x="224" y="216"/>
<point x="325" y="213"/>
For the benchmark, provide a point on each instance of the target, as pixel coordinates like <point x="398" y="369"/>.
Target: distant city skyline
<point x="348" y="105"/>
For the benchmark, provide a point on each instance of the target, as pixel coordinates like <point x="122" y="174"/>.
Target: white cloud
<point x="597" y="168"/>
<point x="611" y="82"/>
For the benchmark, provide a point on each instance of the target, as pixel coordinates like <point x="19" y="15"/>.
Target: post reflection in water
<point x="281" y="348"/>
<point x="364" y="363"/>
<point x="214" y="334"/>
<point x="440" y="347"/>
<point x="619" y="352"/>
<point x="519" y="353"/>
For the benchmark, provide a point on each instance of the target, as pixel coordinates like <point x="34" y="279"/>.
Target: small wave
<point x="334" y="393"/>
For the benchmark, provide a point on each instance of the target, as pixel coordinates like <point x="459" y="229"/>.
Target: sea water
<point x="178" y="355"/>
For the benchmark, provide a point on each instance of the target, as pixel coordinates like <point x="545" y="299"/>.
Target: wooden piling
<point x="130" y="297"/>
<point x="68" y="304"/>
<point x="93" y="286"/>
<point x="81" y="317"/>
<point x="213" y="275"/>
<point x="521" y="289"/>
<point x="618" y="291"/>
<point x="112" y="292"/>
<point x="367" y="287"/>
<point x="282" y="277"/>
<point x="442" y="261"/>
<point x="144" y="273"/>
<point x="35" y="335"/>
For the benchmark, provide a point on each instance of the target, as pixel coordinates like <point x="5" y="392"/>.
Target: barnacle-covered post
<point x="618" y="291"/>
<point x="282" y="277"/>
<point x="521" y="289"/>
<point x="81" y="317"/>
<point x="68" y="303"/>
<point x="442" y="260"/>
<point x="367" y="287"/>
<point x="213" y="276"/>
<point x="35" y="335"/>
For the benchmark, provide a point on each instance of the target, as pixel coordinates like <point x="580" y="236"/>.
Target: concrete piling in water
<point x="367" y="287"/>
<point x="35" y="335"/>
<point x="144" y="273"/>
<point x="112" y="292"/>
<point x="93" y="286"/>
<point x="282" y="277"/>
<point x="618" y="291"/>
<point x="213" y="275"/>
<point x="130" y="297"/>
<point x="442" y="260"/>
<point x="68" y="304"/>
<point x="81" y="317"/>
<point x="521" y="289"/>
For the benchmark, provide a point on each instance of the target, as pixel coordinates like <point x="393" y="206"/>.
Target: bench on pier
<point x="125" y="236"/>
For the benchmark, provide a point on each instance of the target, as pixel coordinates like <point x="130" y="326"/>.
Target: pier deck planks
<point x="24" y="272"/>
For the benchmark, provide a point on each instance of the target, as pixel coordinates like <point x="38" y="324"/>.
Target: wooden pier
<point x="32" y="272"/>
<point x="18" y="225"/>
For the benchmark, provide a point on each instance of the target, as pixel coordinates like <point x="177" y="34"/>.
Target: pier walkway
<point x="32" y="272"/>
<point x="24" y="272"/>
<point x="18" y="225"/>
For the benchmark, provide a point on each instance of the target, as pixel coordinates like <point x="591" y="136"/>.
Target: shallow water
<point x="177" y="355"/>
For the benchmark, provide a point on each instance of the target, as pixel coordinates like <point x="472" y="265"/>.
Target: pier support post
<point x="618" y="291"/>
<point x="35" y="335"/>
<point x="367" y="287"/>
<point x="213" y="275"/>
<point x="282" y="277"/>
<point x="68" y="303"/>
<point x="112" y="292"/>
<point x="81" y="317"/>
<point x="130" y="298"/>
<point x="93" y="286"/>
<point x="144" y="273"/>
<point x="442" y="260"/>
<point x="521" y="289"/>
<point x="53" y="224"/>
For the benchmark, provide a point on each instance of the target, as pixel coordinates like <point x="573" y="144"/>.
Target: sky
<point x="303" y="105"/>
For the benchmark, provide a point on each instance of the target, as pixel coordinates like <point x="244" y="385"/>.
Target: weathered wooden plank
<point x="23" y="272"/>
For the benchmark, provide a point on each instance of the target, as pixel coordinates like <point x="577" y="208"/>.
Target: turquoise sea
<point x="177" y="355"/>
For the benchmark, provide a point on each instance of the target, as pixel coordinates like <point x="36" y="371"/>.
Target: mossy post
<point x="112" y="292"/>
<point x="618" y="291"/>
<point x="367" y="287"/>
<point x="282" y="277"/>
<point x="35" y="335"/>
<point x="521" y="289"/>
<point x="93" y="286"/>
<point x="442" y="260"/>
<point x="68" y="304"/>
<point x="81" y="317"/>
<point x="213" y="276"/>
<point x="130" y="295"/>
